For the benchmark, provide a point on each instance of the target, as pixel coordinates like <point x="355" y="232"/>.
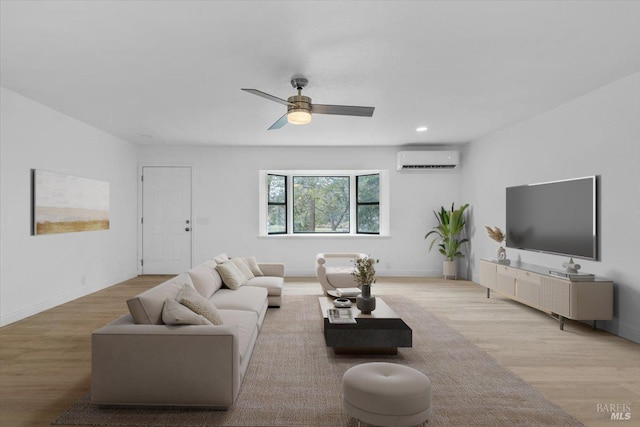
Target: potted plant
<point x="364" y="274"/>
<point x="450" y="225"/>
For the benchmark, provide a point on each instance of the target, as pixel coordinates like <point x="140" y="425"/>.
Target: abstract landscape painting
<point x="65" y="203"/>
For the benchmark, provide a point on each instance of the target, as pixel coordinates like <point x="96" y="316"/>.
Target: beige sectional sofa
<point x="139" y="359"/>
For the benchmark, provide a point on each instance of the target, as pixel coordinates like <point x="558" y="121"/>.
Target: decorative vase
<point x="366" y="302"/>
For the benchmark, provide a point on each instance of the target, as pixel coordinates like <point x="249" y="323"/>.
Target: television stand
<point x="579" y="298"/>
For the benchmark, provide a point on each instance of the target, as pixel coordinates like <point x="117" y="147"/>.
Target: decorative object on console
<point x="496" y="234"/>
<point x="450" y="224"/>
<point x="571" y="267"/>
<point x="365" y="275"/>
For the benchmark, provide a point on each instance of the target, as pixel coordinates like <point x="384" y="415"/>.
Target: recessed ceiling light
<point x="421" y="129"/>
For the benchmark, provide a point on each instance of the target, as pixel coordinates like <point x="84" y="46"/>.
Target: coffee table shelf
<point x="380" y="332"/>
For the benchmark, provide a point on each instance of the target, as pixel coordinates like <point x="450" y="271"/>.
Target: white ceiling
<point x="170" y="72"/>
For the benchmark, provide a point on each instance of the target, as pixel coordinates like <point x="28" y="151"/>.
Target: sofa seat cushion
<point x="248" y="298"/>
<point x="247" y="322"/>
<point x="273" y="285"/>
<point x="146" y="308"/>
<point x="340" y="277"/>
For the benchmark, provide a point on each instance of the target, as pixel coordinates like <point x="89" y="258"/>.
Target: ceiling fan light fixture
<point x="298" y="116"/>
<point x="299" y="107"/>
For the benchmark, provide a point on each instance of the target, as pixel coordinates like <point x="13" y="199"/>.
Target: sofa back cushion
<point x="146" y="307"/>
<point x="203" y="280"/>
<point x="243" y="267"/>
<point x="211" y="265"/>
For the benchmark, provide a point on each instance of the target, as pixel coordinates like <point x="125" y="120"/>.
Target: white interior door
<point x="166" y="220"/>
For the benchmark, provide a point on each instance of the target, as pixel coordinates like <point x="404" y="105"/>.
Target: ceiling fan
<point x="299" y="107"/>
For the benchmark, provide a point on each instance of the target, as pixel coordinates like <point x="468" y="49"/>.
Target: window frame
<point x="384" y="203"/>
<point x="285" y="204"/>
<point x="358" y="203"/>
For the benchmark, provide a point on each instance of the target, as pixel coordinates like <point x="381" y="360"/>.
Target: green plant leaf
<point x="450" y="224"/>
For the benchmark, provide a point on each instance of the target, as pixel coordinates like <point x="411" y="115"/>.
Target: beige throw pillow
<point x="190" y="298"/>
<point x="253" y="266"/>
<point x="231" y="276"/>
<point x="221" y="258"/>
<point x="174" y="313"/>
<point x="243" y="267"/>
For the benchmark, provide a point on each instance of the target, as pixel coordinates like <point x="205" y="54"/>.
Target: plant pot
<point x="366" y="302"/>
<point x="449" y="269"/>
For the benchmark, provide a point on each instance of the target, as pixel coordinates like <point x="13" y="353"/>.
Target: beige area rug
<point x="295" y="380"/>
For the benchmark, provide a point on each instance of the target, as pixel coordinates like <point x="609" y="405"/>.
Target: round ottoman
<point x="387" y="394"/>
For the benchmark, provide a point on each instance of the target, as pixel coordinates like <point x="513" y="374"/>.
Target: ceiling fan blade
<point x="279" y="123"/>
<point x="269" y="97"/>
<point x="342" y="110"/>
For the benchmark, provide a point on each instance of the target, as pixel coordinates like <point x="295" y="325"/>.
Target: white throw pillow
<point x="174" y="313"/>
<point x="243" y="267"/>
<point x="253" y="266"/>
<point x="190" y="298"/>
<point x="231" y="276"/>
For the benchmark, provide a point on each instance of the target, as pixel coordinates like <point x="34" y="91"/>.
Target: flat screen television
<point x="557" y="217"/>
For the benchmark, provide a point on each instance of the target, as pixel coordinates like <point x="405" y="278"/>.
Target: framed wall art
<point x="65" y="203"/>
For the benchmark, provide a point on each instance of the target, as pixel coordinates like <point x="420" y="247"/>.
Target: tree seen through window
<point x="321" y="204"/>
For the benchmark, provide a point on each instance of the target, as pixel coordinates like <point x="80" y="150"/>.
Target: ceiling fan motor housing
<point x="301" y="109"/>
<point x="302" y="103"/>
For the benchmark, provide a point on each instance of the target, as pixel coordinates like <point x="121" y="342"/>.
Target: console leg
<point x="488" y="291"/>
<point x="561" y="319"/>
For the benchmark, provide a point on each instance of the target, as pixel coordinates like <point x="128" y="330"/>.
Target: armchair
<point x="332" y="277"/>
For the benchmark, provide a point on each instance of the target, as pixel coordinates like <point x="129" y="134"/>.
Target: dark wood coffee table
<point x="380" y="332"/>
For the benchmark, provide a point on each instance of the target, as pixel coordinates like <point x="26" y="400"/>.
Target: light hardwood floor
<point x="45" y="360"/>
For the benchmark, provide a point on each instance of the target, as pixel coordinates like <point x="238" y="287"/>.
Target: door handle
<point x="187" y="229"/>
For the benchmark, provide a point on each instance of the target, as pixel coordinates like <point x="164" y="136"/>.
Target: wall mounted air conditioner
<point x="417" y="160"/>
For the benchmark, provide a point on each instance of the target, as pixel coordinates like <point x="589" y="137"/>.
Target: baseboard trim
<point x="23" y="313"/>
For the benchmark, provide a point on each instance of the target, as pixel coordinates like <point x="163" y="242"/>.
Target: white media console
<point x="536" y="286"/>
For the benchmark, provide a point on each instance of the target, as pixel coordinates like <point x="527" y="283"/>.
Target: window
<point x="277" y="204"/>
<point x="368" y="203"/>
<point x="324" y="202"/>
<point x="321" y="204"/>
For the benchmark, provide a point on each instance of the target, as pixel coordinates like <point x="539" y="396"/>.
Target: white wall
<point x="225" y="195"/>
<point x="39" y="272"/>
<point x="596" y="134"/>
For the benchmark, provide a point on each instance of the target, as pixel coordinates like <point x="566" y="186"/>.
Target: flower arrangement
<point x="495" y="234"/>
<point x="364" y="272"/>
